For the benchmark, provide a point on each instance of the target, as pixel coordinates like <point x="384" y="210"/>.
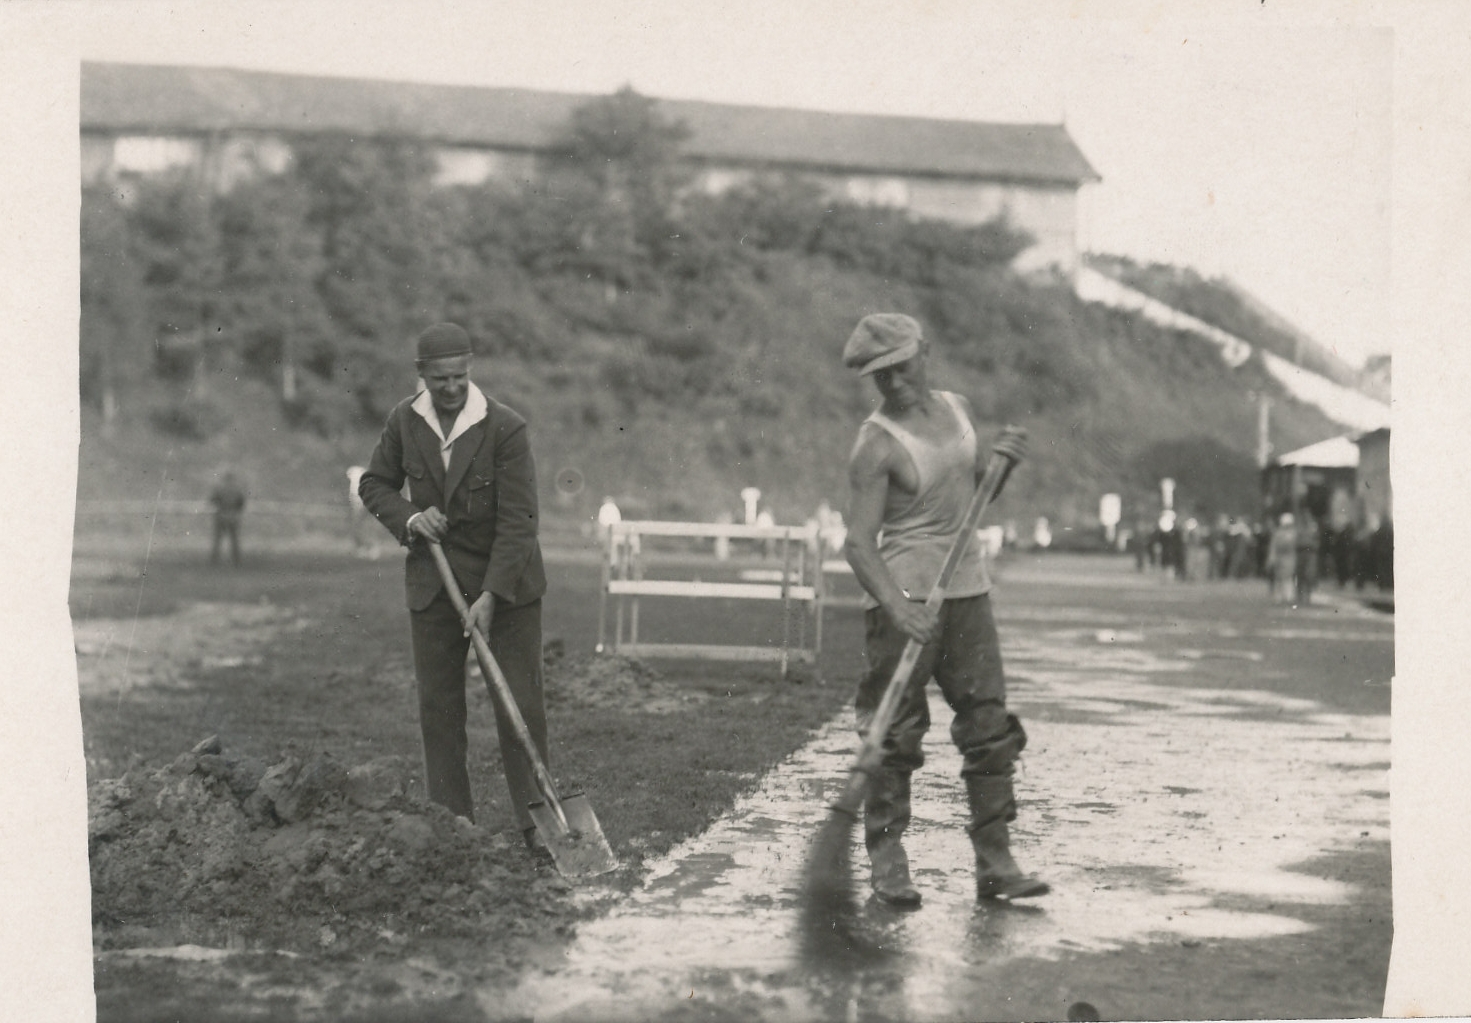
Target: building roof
<point x="142" y="98"/>
<point x="1334" y="453"/>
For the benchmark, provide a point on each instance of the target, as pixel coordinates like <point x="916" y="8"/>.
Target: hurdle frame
<point x="624" y="582"/>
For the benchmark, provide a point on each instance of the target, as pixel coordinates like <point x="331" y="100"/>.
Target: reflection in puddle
<point x="1180" y="820"/>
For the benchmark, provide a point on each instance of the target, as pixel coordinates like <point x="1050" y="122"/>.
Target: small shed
<point x="1321" y="478"/>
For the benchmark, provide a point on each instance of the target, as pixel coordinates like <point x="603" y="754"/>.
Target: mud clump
<point x="304" y="853"/>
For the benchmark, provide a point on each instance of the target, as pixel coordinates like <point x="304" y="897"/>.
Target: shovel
<point x="829" y="871"/>
<point x="567" y="825"/>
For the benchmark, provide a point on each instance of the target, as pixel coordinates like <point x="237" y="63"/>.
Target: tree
<point x="271" y="261"/>
<point x="112" y="303"/>
<point x="630" y="152"/>
<point x="370" y="203"/>
<point x="175" y="241"/>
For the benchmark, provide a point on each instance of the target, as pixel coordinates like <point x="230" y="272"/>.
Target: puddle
<point x="1182" y="820"/>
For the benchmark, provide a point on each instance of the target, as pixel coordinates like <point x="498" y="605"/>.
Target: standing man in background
<point x="228" y="501"/>
<point x="472" y="488"/>
<point x="912" y="473"/>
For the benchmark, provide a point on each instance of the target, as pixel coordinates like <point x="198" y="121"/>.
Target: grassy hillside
<point x="668" y="349"/>
<point x="1137" y="403"/>
<point x="1223" y="304"/>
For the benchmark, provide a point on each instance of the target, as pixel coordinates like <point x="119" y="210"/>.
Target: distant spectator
<point x="228" y="500"/>
<point x="1220" y="547"/>
<point x="1196" y="559"/>
<point x="358" y="516"/>
<point x="1171" y="545"/>
<point x="1042" y="533"/>
<point x="1381" y="555"/>
<point x="831" y="528"/>
<point x="1309" y="543"/>
<point x="609" y="516"/>
<point x="1241" y="551"/>
<point x="1261" y="544"/>
<point x="1282" y="560"/>
<point x="1338" y="549"/>
<point x="1140" y="541"/>
<point x="764" y="519"/>
<point x="722" y="543"/>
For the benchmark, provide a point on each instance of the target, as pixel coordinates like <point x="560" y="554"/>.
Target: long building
<point x="228" y="124"/>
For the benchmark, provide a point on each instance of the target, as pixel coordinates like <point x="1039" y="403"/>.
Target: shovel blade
<point x="579" y="849"/>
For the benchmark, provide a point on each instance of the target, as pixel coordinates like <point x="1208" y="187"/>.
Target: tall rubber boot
<point x="992" y="808"/>
<point x="885" y="816"/>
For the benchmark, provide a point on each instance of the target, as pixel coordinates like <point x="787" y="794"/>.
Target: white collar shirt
<point x="476" y="408"/>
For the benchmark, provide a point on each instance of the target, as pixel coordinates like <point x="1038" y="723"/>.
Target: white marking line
<point x="1142" y="824"/>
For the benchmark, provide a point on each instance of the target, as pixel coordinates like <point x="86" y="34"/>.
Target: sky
<point x="1235" y="140"/>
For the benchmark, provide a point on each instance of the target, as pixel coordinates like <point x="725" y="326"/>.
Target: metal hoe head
<point x="578" y="847"/>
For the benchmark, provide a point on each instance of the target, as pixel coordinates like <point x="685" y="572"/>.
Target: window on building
<point x="149" y="154"/>
<point x="879" y="191"/>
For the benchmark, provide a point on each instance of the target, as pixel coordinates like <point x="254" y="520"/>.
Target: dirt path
<point x="1168" y="814"/>
<point x="1205" y="788"/>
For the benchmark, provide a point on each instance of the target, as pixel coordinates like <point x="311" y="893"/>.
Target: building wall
<point x="236" y="158"/>
<point x="1048" y="213"/>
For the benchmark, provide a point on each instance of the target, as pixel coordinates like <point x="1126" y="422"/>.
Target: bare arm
<point x="869" y="469"/>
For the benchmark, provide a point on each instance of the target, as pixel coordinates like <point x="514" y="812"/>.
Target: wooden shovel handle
<point x="498" y="683"/>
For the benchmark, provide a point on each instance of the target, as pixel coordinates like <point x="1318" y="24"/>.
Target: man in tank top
<point x="912" y="473"/>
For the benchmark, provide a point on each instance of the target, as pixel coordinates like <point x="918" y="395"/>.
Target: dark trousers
<point x="226" y="528"/>
<point x="440" y="650"/>
<point x="966" y="663"/>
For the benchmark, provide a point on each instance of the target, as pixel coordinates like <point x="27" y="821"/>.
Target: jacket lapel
<point x="466" y="446"/>
<point x="428" y="445"/>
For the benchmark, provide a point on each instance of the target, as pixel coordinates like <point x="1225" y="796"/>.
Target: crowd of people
<point x="1293" y="551"/>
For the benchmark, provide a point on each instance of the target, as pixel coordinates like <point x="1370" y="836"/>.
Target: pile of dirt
<point x="304" y="854"/>
<point x="610" y="682"/>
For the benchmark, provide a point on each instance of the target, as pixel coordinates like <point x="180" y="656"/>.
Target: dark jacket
<point x="488" y="495"/>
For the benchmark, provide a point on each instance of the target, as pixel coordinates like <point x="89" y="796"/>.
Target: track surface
<point x="1206" y="789"/>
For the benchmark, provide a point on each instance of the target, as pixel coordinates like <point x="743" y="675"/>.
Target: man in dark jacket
<point x="228" y="500"/>
<point x="472" y="488"/>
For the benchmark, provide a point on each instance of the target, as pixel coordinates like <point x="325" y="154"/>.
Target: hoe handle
<point x="498" y="683"/>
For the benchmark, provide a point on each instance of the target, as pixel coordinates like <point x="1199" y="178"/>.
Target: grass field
<point x="309" y="653"/>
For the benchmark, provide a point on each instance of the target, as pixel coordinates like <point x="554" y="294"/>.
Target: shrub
<point x="321" y="407"/>
<point x="191" y="417"/>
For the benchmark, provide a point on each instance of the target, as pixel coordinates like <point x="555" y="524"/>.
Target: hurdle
<point x="798" y="584"/>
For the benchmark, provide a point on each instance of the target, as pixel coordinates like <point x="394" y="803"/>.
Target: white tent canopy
<point x="1334" y="453"/>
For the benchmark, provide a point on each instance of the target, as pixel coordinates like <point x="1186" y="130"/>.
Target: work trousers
<point x="440" y="650"/>
<point x="965" y="660"/>
<point x="226" y="529"/>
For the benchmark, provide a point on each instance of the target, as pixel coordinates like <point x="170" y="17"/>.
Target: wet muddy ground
<point x="1205" y="788"/>
<point x="1176" y="802"/>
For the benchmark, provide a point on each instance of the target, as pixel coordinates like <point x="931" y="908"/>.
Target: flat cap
<point x="442" y="341"/>
<point x="882" y="339"/>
